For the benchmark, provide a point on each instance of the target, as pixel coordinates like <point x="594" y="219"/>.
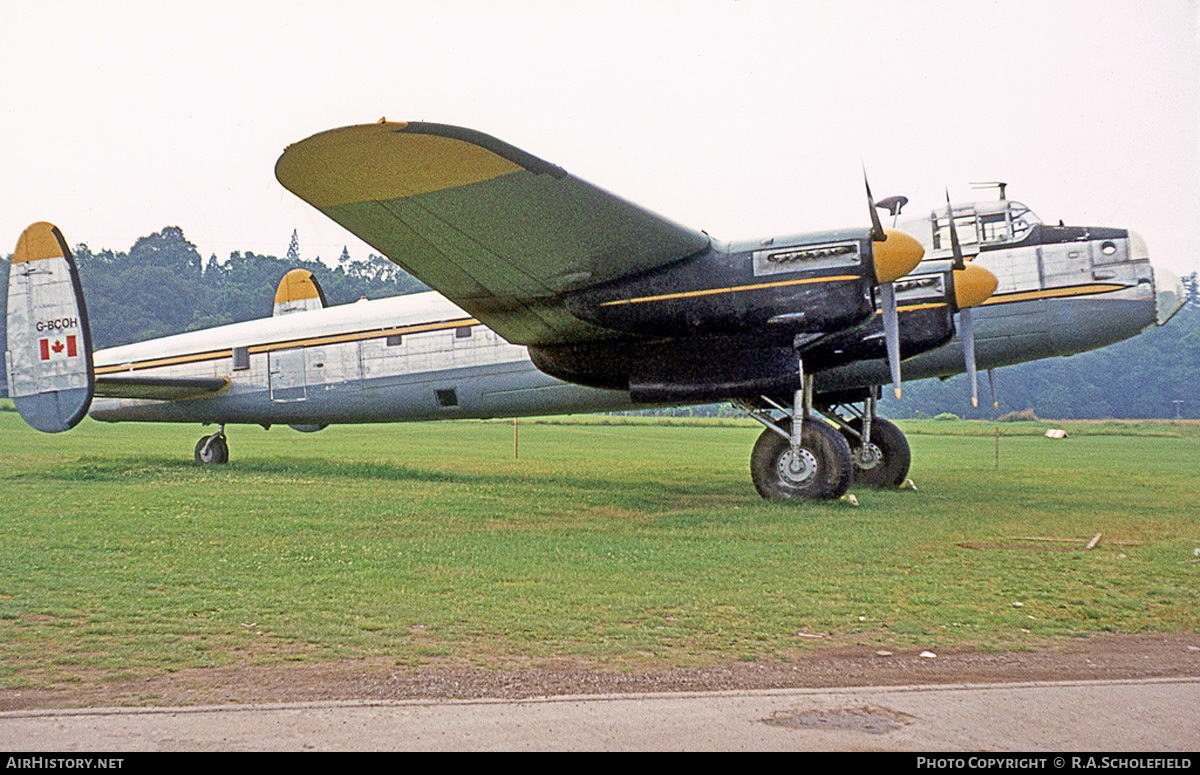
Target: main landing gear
<point x="802" y="456"/>
<point x="879" y="450"/>
<point x="213" y="449"/>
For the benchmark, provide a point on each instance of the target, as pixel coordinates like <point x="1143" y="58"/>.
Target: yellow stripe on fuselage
<point x="915" y="307"/>
<point x="285" y="344"/>
<point x="1055" y="293"/>
<point x="733" y="289"/>
<point x="1019" y="296"/>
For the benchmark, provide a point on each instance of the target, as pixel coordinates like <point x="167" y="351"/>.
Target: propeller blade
<point x="891" y="331"/>
<point x="877" y="232"/>
<point x="968" y="339"/>
<point x="955" y="246"/>
<point x="992" y="385"/>
<point x="973" y="285"/>
<point x="892" y="260"/>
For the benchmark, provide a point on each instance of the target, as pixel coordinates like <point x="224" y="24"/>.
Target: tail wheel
<point x="819" y="469"/>
<point x="212" y="450"/>
<point x="886" y="460"/>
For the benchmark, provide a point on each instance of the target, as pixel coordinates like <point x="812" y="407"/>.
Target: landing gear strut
<point x="213" y="449"/>
<point x="817" y="468"/>
<point x="798" y="455"/>
<point x="879" y="450"/>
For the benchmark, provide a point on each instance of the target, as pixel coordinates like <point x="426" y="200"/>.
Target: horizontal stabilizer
<point x="49" y="356"/>
<point x="159" y="388"/>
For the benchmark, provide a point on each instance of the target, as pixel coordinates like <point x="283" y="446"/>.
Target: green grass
<point x="617" y="544"/>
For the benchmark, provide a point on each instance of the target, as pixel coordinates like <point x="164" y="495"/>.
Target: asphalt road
<point x="1110" y="716"/>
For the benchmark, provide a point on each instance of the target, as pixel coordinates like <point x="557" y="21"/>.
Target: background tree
<point x="1191" y="289"/>
<point x="293" y="253"/>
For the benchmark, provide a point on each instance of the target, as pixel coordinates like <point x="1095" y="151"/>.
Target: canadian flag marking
<point x="59" y="347"/>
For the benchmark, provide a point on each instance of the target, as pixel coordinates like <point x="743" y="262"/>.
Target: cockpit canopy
<point x="986" y="223"/>
<point x="977" y="224"/>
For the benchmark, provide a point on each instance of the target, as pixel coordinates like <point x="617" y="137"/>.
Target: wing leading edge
<point x="498" y="231"/>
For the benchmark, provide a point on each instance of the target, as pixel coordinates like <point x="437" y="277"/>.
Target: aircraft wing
<point x="496" y="230"/>
<point x="159" y="388"/>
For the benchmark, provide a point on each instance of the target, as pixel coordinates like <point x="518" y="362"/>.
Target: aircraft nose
<point x="1137" y="247"/>
<point x="1168" y="294"/>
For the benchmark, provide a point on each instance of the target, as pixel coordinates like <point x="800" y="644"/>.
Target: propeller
<point x="968" y="340"/>
<point x="891" y="331"/>
<point x="894" y="254"/>
<point x="955" y="245"/>
<point x="972" y="286"/>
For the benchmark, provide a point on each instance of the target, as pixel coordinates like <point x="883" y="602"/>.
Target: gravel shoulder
<point x="1102" y="657"/>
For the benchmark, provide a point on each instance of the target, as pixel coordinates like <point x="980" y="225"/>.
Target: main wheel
<point x="886" y="460"/>
<point x="212" y="450"/>
<point x="821" y="468"/>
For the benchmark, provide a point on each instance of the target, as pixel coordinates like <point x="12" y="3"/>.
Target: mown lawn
<point x="629" y="543"/>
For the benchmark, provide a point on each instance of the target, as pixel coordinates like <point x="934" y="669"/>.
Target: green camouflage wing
<point x="497" y="231"/>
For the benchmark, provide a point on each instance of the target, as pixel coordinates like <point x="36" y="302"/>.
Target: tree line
<point x="163" y="286"/>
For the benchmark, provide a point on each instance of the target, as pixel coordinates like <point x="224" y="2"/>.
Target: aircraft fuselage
<point x="414" y="357"/>
<point x="1062" y="290"/>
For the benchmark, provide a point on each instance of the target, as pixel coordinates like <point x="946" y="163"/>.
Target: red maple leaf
<point x="58" y="346"/>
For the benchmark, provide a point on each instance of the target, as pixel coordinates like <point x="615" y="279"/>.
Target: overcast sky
<point x="745" y="118"/>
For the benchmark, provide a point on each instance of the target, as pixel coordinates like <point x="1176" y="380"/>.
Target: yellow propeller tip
<point x="897" y="392"/>
<point x="975" y="402"/>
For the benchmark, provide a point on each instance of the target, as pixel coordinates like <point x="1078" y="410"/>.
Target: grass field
<point x="621" y="542"/>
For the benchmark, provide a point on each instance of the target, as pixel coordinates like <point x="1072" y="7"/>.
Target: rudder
<point x="298" y="291"/>
<point x="49" y="355"/>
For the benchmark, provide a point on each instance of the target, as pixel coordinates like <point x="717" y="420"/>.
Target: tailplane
<point x="49" y="355"/>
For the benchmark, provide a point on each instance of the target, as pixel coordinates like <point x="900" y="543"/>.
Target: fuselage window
<point x="447" y="399"/>
<point x="462" y="332"/>
<point x="394" y="340"/>
<point x="241" y="358"/>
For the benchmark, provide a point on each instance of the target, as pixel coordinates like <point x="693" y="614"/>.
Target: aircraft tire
<point x="893" y="457"/>
<point x="823" y="472"/>
<point x="217" y="452"/>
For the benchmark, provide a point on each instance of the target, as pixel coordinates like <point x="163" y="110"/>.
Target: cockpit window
<point x="1023" y="219"/>
<point x="983" y="223"/>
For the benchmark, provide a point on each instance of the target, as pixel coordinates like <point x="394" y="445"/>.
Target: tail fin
<point x="298" y="291"/>
<point x="49" y="356"/>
